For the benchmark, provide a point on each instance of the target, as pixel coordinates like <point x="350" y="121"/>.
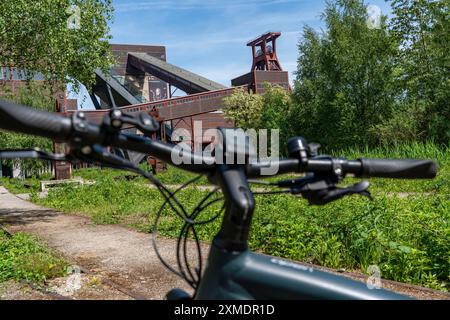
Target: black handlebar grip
<point x="404" y="169"/>
<point x="18" y="118"/>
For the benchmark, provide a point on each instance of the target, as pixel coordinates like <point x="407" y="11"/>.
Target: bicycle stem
<point x="239" y="208"/>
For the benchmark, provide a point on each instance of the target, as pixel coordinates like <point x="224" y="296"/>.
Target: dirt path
<point x="122" y="255"/>
<point x="124" y="258"/>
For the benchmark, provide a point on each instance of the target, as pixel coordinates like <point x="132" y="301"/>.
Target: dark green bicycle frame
<point x="234" y="272"/>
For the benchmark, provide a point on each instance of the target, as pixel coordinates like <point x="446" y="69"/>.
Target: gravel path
<point x="125" y="256"/>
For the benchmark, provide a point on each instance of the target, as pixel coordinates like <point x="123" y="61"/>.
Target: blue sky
<point x="209" y="37"/>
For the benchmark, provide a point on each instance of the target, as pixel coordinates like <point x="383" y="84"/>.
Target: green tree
<point x="277" y="113"/>
<point x="422" y="28"/>
<point x="344" y="86"/>
<point x="276" y="106"/>
<point x="37" y="95"/>
<point x="62" y="39"/>
<point x="270" y="110"/>
<point x="244" y="109"/>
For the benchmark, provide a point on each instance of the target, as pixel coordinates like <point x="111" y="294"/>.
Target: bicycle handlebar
<point x="17" y="118"/>
<point x="26" y="120"/>
<point x="388" y="168"/>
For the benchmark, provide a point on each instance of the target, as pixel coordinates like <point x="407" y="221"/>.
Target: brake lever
<point x="296" y="183"/>
<point x="33" y="154"/>
<point x="142" y="121"/>
<point x="320" y="192"/>
<point x="100" y="155"/>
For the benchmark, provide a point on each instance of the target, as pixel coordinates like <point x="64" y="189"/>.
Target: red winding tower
<point x="266" y="67"/>
<point x="264" y="50"/>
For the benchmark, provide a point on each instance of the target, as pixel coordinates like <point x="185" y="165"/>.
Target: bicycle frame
<point x="247" y="275"/>
<point x="234" y="272"/>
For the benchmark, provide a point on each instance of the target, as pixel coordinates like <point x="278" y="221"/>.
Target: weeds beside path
<point x="120" y="254"/>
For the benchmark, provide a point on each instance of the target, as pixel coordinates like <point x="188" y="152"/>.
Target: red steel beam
<point x="175" y="108"/>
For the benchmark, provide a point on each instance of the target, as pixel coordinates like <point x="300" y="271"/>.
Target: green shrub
<point x="18" y="186"/>
<point x="23" y="257"/>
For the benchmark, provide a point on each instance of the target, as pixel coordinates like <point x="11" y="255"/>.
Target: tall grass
<point x="414" y="150"/>
<point x="24" y="257"/>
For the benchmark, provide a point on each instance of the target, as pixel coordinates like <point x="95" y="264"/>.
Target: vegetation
<point x="416" y="150"/>
<point x="18" y="186"/>
<point x="405" y="230"/>
<point x="344" y="85"/>
<point x="38" y="96"/>
<point x="62" y="39"/>
<point x="23" y="257"/>
<point x="266" y="111"/>
<point x="422" y="29"/>
<point x="171" y="176"/>
<point x="244" y="109"/>
<point x="356" y="85"/>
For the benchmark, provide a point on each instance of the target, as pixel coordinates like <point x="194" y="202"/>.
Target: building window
<point x="15" y="75"/>
<point x="6" y="73"/>
<point x="23" y="74"/>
